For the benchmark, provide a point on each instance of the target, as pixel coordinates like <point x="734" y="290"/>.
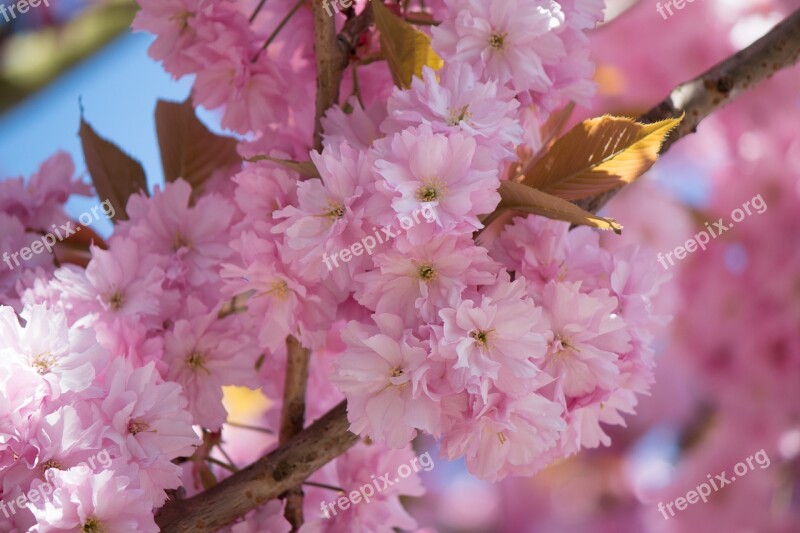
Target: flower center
<point x="497" y="40"/>
<point x="180" y="242"/>
<point x="280" y="289"/>
<point x="457" y="115"/>
<point x="426" y="272"/>
<point x="52" y="463"/>
<point x="431" y="190"/>
<point x="395" y="373"/>
<point x="335" y="210"/>
<point x="481" y="337"/>
<point x="182" y="20"/>
<point x="137" y="425"/>
<point x="92" y="525"/>
<point x="194" y="361"/>
<point x="116" y="300"/>
<point x="43" y="362"/>
<point x="562" y="346"/>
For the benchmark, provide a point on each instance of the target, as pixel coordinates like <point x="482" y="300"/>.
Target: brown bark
<point x="266" y="479"/>
<point x="293" y="415"/>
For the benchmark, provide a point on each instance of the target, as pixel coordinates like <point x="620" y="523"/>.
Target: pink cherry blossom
<point x="419" y="280"/>
<point x="451" y="173"/>
<point x="205" y="353"/>
<point x="150" y="424"/>
<point x="459" y="102"/>
<point x="588" y="338"/>
<point x="494" y="341"/>
<point x="383" y="374"/>
<point x="109" y="501"/>
<point x="193" y="238"/>
<point x="502" y="436"/>
<point x="509" y="42"/>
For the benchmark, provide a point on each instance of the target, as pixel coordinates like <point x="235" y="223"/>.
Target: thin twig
<point x="357" y="88"/>
<point x="368" y="60"/>
<point x="247" y="426"/>
<point x="225" y="454"/>
<point x="323" y="486"/>
<point x="277" y="30"/>
<point x="257" y="10"/>
<point x="223" y="464"/>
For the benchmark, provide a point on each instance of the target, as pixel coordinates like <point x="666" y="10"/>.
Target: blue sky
<point x="119" y="87"/>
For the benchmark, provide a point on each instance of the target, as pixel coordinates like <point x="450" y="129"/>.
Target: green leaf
<point x="188" y="149"/>
<point x="519" y="197"/>
<point x="599" y="155"/>
<point x="116" y="175"/>
<point x="406" y="48"/>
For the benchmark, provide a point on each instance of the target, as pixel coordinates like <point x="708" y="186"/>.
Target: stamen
<point x="426" y="272"/>
<point x="116" y="300"/>
<point x="497" y="41"/>
<point x="137" y="425"/>
<point x="457" y="115"/>
<point x="43" y="362"/>
<point x="481" y="337"/>
<point x="431" y="190"/>
<point x="194" y="361"/>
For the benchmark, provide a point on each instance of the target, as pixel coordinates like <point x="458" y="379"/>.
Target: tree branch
<point x="293" y="415"/>
<point x="698" y="98"/>
<point x="329" y="66"/>
<point x="264" y="480"/>
<point x="333" y="55"/>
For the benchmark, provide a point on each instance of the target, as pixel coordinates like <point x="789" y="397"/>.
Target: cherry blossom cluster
<point x="30" y="208"/>
<point x="513" y="352"/>
<point x="65" y="398"/>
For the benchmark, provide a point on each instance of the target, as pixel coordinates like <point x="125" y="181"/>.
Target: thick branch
<point x="293" y="415"/>
<point x="329" y="66"/>
<point x="266" y="479"/>
<point x="700" y="97"/>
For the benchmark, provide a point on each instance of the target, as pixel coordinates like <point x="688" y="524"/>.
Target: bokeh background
<point x="728" y="376"/>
